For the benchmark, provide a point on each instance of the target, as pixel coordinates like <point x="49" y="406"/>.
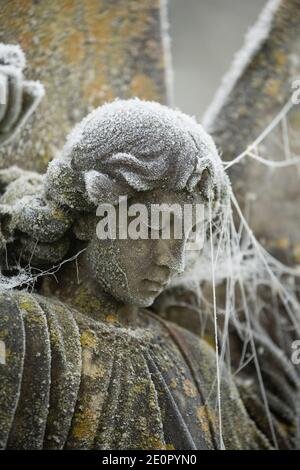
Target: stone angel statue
<point x="107" y="343"/>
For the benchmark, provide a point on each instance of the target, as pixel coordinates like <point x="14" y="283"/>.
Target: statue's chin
<point x="139" y="298"/>
<point x="145" y="302"/>
<point x="139" y="302"/>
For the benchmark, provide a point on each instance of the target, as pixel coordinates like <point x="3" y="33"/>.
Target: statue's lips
<point x="155" y="285"/>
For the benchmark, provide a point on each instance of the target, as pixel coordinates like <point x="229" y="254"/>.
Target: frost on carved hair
<point x="146" y="139"/>
<point x="118" y="136"/>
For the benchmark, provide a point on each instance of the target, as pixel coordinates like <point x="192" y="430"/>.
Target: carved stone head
<point x="149" y="154"/>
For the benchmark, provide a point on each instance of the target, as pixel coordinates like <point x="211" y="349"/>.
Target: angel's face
<point x="136" y="271"/>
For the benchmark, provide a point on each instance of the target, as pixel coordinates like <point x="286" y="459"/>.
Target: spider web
<point x="233" y="256"/>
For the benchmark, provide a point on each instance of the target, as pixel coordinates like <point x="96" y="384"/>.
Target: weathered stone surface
<point x="31" y="413"/>
<point x="150" y="385"/>
<point x="12" y="335"/>
<point x="19" y="97"/>
<point x="258" y="91"/>
<point x="85" y="53"/>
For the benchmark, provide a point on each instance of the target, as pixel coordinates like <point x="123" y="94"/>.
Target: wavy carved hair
<point x="119" y="149"/>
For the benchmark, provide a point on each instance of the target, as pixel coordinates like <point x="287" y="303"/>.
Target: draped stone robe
<point x="72" y="382"/>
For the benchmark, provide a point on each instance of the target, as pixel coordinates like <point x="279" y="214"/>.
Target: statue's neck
<point x="75" y="286"/>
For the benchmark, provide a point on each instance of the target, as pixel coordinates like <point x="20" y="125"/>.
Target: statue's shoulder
<point x="37" y="315"/>
<point x="34" y="312"/>
<point x="41" y="351"/>
<point x="12" y="343"/>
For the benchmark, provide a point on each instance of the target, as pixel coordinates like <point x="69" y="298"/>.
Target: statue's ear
<point x="202" y="180"/>
<point x="102" y="189"/>
<point x="204" y="184"/>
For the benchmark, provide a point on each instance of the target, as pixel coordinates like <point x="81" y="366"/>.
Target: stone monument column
<point x="256" y="92"/>
<point x="85" y="52"/>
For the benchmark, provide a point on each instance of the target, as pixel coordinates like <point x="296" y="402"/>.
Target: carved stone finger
<point x="32" y="93"/>
<point x="14" y="104"/>
<point x="3" y="95"/>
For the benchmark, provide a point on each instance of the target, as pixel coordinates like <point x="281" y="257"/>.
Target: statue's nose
<point x="170" y="253"/>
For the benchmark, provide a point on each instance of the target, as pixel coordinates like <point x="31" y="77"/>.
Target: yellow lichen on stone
<point x="85" y="54"/>
<point x="280" y="57"/>
<point x="111" y="318"/>
<point x="139" y="387"/>
<point x="174" y="383"/>
<point x="206" y="417"/>
<point x="189" y="388"/>
<point x="170" y="447"/>
<point x="85" y="302"/>
<point x="74" y="47"/>
<point x="296" y="252"/>
<point x="88" y="339"/>
<point x="3" y="334"/>
<point x="30" y="307"/>
<point x="209" y="339"/>
<point x="26" y="305"/>
<point x="82" y="428"/>
<point x="58" y="214"/>
<point x="90" y="368"/>
<point x="283" y="243"/>
<point x="272" y="87"/>
<point x="152" y="443"/>
<point x="142" y="85"/>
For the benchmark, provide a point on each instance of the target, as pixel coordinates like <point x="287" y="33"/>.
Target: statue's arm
<point x="39" y="372"/>
<point x="27" y="215"/>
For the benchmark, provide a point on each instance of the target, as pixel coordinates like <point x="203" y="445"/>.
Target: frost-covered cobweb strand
<point x="231" y="256"/>
<point x="252" y="150"/>
<point x="28" y="275"/>
<point x="245" y="266"/>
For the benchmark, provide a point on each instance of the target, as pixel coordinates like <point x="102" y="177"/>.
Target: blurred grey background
<point x="205" y="34"/>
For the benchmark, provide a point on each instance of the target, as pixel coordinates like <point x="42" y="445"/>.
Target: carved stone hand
<point x="18" y="97"/>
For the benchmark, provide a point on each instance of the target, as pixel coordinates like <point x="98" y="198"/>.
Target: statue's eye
<point x="169" y="226"/>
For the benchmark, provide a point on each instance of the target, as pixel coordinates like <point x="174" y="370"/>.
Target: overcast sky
<point x="205" y="35"/>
